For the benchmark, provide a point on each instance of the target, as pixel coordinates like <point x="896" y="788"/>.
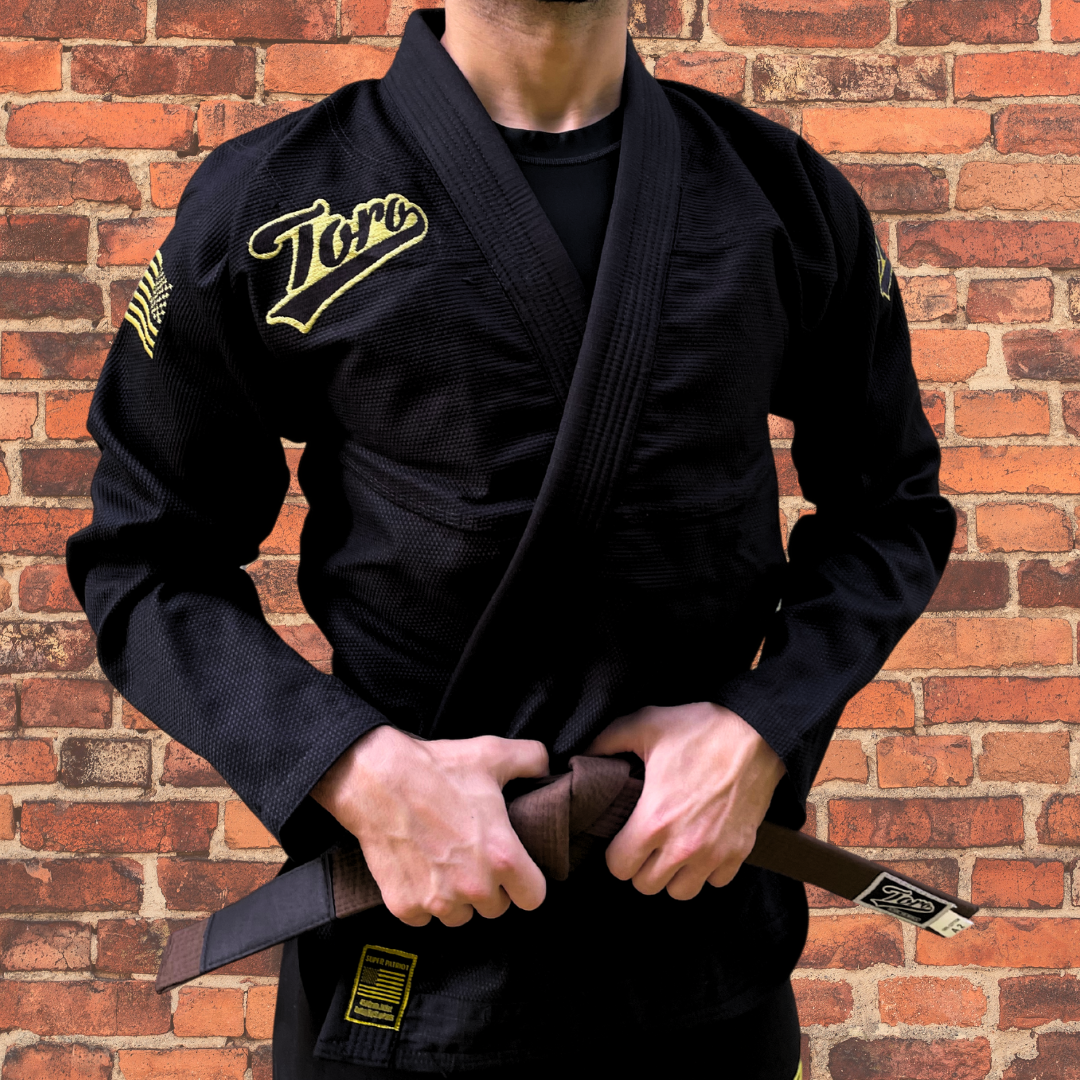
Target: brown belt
<point x="559" y="823"/>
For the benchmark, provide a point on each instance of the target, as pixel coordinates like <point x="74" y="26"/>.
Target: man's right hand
<point x="432" y="822"/>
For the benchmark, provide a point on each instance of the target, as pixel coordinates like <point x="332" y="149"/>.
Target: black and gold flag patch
<point x="884" y="273"/>
<point x="381" y="990"/>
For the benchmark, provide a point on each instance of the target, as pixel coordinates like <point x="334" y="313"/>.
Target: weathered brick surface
<point x="843" y="23"/>
<point x="922" y="1000"/>
<point x="184" y="768"/>
<point x="184" y="1064"/>
<point x="1020" y="185"/>
<point x="205" y="69"/>
<point x="989" y="414"/>
<point x="1054" y="244"/>
<point x="971" y="586"/>
<point x="844" y="760"/>
<point x="60" y="295"/>
<point x="853" y="942"/>
<point x="983" y="643"/>
<point x="168" y="180"/>
<point x="997" y="700"/>
<point x="1005" y="942"/>
<point x="924" y="761"/>
<point x="202" y="1011"/>
<point x="1016" y="74"/>
<point x="223" y="120"/>
<point x="44" y="946"/>
<point x="26" y="66"/>
<point x="322" y="69"/>
<point x="1042" y="585"/>
<point x="926" y="822"/>
<point x="942" y="1059"/>
<point x="196" y="885"/>
<point x="926" y="297"/>
<point x="70" y="885"/>
<point x="62" y="703"/>
<point x="83" y="1008"/>
<point x="1041" y="758"/>
<point x="893" y="130"/>
<point x="821" y="1001"/>
<point x="131" y="243"/>
<point x="121" y="20"/>
<point x="132" y="125"/>
<point x="1037" y="129"/>
<point x="118" y="827"/>
<point x="243" y="829"/>
<point x="880" y="705"/>
<point x="841" y="78"/>
<point x="1030" y="1001"/>
<point x="1018" y="883"/>
<point x="53" y="356"/>
<point x="87" y="762"/>
<point x="1025" y="300"/>
<point x="66" y="471"/>
<point x="58" y="1061"/>
<point x="980" y="22"/>
<point x="1022" y="527"/>
<point x="311" y="20"/>
<point x="948" y="355"/>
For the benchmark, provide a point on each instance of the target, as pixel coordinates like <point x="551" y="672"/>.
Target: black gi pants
<point x="762" y="1044"/>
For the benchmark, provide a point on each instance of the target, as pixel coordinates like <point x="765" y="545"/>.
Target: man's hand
<point x="432" y="823"/>
<point x="709" y="778"/>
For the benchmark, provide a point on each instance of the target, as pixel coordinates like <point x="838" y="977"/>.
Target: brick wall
<point x="959" y="122"/>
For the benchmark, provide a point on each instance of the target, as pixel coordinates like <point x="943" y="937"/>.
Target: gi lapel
<point x="518" y="645"/>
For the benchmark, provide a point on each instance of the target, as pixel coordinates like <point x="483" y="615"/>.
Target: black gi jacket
<point x="374" y="277"/>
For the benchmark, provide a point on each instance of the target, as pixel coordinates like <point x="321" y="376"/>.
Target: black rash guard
<point x="572" y="174"/>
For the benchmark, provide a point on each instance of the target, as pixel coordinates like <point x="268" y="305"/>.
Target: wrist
<point x="342" y="781"/>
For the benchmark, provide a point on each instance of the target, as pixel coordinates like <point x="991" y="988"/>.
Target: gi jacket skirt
<point x="525" y="518"/>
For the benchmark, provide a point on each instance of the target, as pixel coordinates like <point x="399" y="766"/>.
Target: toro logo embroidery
<point x="331" y="253"/>
<point x="146" y="312"/>
<point x="381" y="989"/>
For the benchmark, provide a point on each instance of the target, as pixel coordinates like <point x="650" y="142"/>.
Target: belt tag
<point x="381" y="989"/>
<point x="897" y="897"/>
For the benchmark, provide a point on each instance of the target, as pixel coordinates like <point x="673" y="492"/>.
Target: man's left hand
<point x="709" y="778"/>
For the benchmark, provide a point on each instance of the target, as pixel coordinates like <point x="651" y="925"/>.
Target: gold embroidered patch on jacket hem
<point x="381" y="988"/>
<point x="331" y="253"/>
<point x="146" y="312"/>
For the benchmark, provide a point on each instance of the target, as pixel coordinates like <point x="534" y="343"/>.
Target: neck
<point x="540" y="65"/>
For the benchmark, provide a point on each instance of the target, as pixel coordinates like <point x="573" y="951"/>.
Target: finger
<point x="508" y="759"/>
<point x="619" y="737"/>
<point x="686" y="883"/>
<point x="632" y="846"/>
<point x="457" y="916"/>
<point x="522" y="879"/>
<point x="494" y="906"/>
<point x="724" y="873"/>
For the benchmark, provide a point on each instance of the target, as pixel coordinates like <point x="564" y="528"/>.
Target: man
<point x="529" y="310"/>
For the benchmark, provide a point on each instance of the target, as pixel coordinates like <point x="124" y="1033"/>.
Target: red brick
<point x="718" y="72"/>
<point x="1059" y="821"/>
<point x="259" y="1016"/>
<point x="888" y="129"/>
<point x="978" y="22"/>
<point x="925" y="1000"/>
<point x="276" y="581"/>
<point x="880" y="704"/>
<point x="7" y="817"/>
<point x="285" y="538"/>
<point x="1037" y="129"/>
<point x="120" y="294"/>
<point x="375" y="18"/>
<point x="35" y="296"/>
<point x="1055" y="244"/>
<point x="184" y="768"/>
<point x="899" y="189"/>
<point x="44" y="946"/>
<point x="80" y="703"/>
<point x="134" y="719"/>
<point x="1010" y="301"/>
<point x="1016" y="74"/>
<point x="1019" y="470"/>
<point x="132" y="242"/>
<point x="38" y="530"/>
<point x="1018" y="185"/>
<point x="198" y="885"/>
<point x="310" y="642"/>
<point x="911" y="1059"/>
<point x="784" y="118"/>
<point x="52" y="646"/>
<point x="1064" y="20"/>
<point x="243" y="829"/>
<point x="971" y="586"/>
<point x="53" y="356"/>
<point x="1042" y="354"/>
<point x="658" y="18"/>
<point x="168" y="180"/>
<point x="786" y="476"/>
<point x="223" y="120"/>
<point x="1029" y="1001"/>
<point x="982" y="642"/>
<point x="128" y="125"/>
<point x="1022" y="527"/>
<point x="926" y="823"/>
<point x="986" y="414"/>
<point x="46" y="588"/>
<point x="927" y="297"/>
<point x="1070" y="409"/>
<point x="194" y="69"/>
<point x="795" y="77"/>
<point x="925" y="761"/>
<point x="227" y="1064"/>
<point x="8" y="705"/>
<point x="44" y="238"/>
<point x="65" y="414"/>
<point x="1001" y="700"/>
<point x="70" y="885"/>
<point x="203" y="1011"/>
<point x="853" y="942"/>
<point x="830" y="23"/>
<point x="58" y="472"/>
<point x="1058" y="1058"/>
<point x="134" y="946"/>
<point x="118" y="827"/>
<point x="822" y="1001"/>
<point x="322" y="69"/>
<point x="29" y="66"/>
<point x="1005" y="941"/>
<point x="17" y="415"/>
<point x="844" y="760"/>
<point x="1043" y="586"/>
<point x="933" y="404"/>
<point x="83" y="1008"/>
<point x="948" y="355"/>
<point x="306" y="20"/>
<point x="1041" y="758"/>
<point x="119" y="20"/>
<point x="105" y="181"/>
<point x="58" y="1061"/>
<point x="1018" y="883"/>
<point x="27" y="761"/>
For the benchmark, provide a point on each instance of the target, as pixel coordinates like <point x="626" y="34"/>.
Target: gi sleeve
<point x="862" y="567"/>
<point x="189" y="414"/>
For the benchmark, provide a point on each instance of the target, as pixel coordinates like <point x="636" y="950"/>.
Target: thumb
<point x="518" y="757"/>
<point x="619" y="737"/>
